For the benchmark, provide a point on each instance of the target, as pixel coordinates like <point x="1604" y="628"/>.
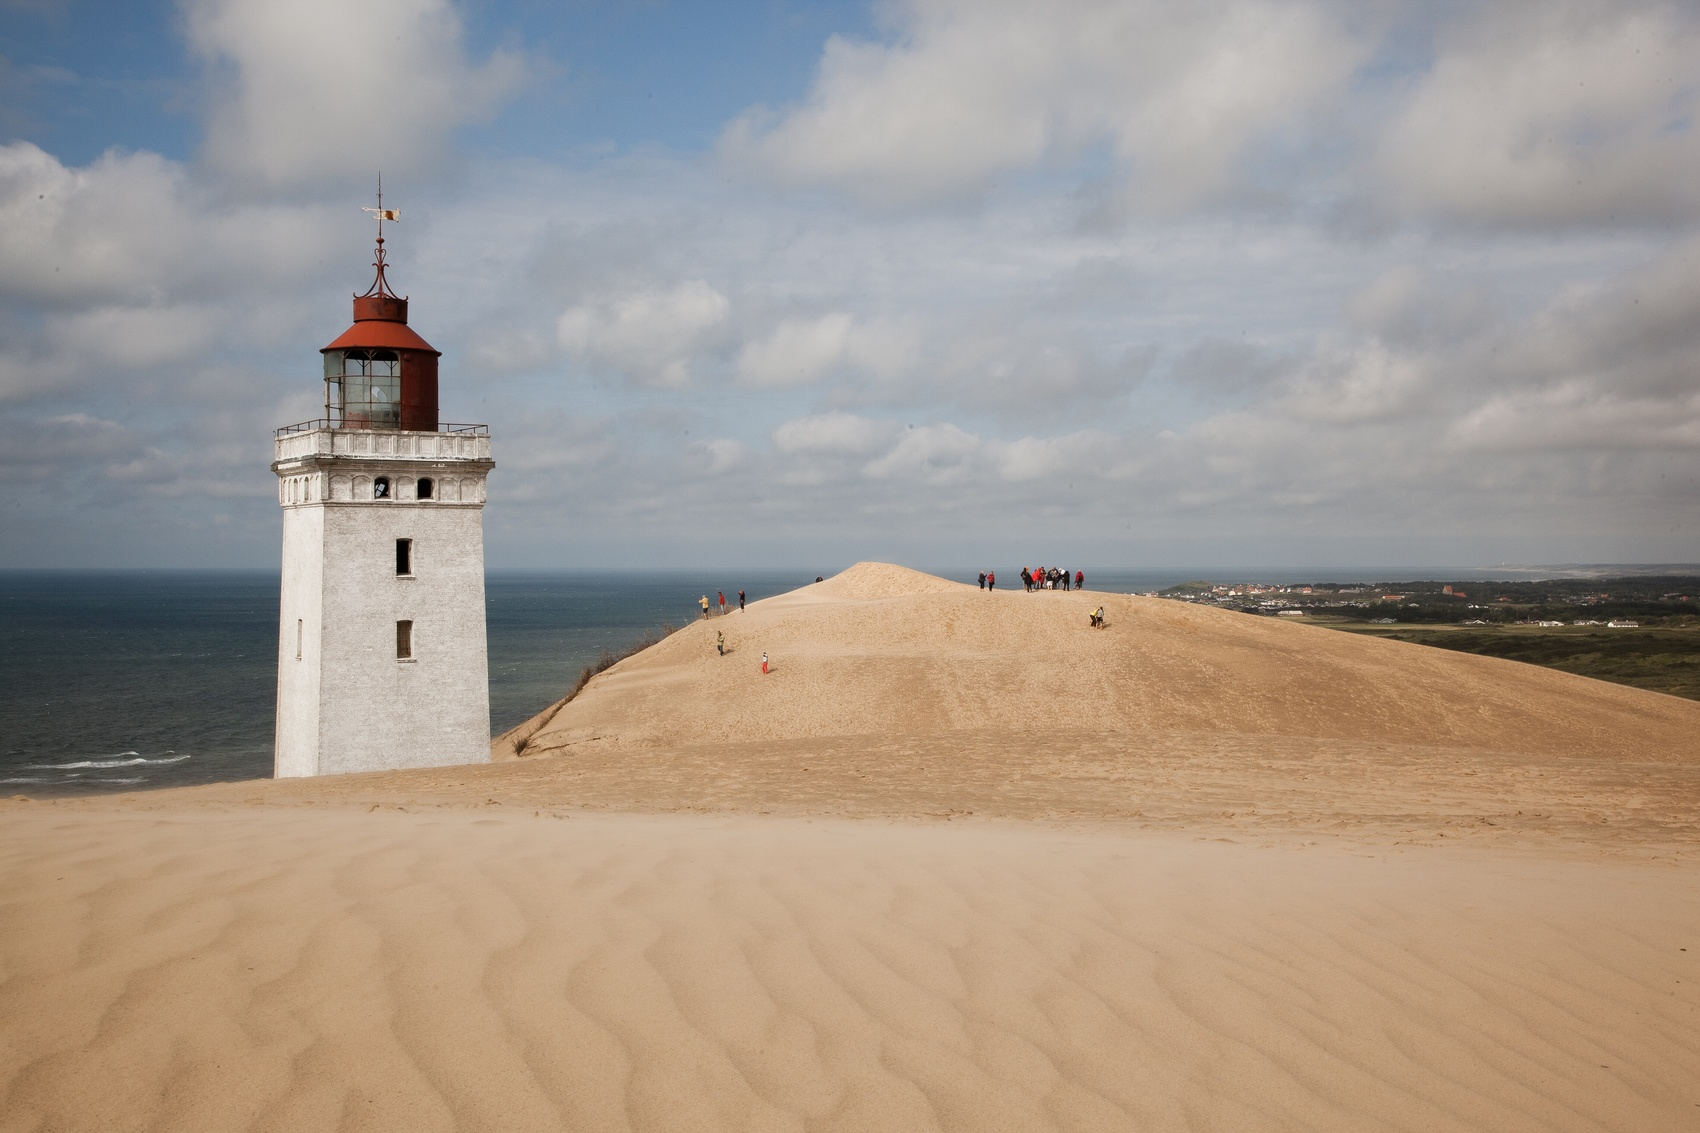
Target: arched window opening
<point x="363" y="389"/>
<point x="381" y="488"/>
<point x="425" y="487"/>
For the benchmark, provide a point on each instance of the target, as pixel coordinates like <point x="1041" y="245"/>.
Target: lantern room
<point x="379" y="374"/>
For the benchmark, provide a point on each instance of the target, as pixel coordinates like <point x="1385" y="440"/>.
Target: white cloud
<point x="797" y="352"/>
<point x="133" y="337"/>
<point x="41" y="447"/>
<point x="1363" y="381"/>
<point x="1552" y="114"/>
<point x="830" y="433"/>
<point x="930" y="454"/>
<point x="326" y="91"/>
<point x="1082" y="455"/>
<point x="136" y="228"/>
<point x="722" y="455"/>
<point x="649" y="335"/>
<point x="1576" y="415"/>
<point x="971" y="89"/>
<point x="802" y="351"/>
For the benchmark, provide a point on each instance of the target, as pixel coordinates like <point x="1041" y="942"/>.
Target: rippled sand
<point x="297" y="970"/>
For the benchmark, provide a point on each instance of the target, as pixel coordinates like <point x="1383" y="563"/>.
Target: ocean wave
<point x="102" y="764"/>
<point x="138" y="779"/>
<point x="23" y="780"/>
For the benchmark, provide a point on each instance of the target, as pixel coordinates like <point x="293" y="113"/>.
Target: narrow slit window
<point x="404" y="556"/>
<point x="404" y="641"/>
<point x="298" y="632"/>
<point x="424" y="487"/>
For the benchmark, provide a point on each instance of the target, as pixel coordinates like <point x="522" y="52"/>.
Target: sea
<point x="133" y="680"/>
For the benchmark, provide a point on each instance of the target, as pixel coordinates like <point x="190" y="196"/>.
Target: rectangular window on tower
<point x="404" y="641"/>
<point x="404" y="556"/>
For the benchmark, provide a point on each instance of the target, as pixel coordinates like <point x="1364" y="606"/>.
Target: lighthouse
<point x="381" y="653"/>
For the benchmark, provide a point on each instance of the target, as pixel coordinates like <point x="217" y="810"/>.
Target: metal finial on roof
<point x="380" y="285"/>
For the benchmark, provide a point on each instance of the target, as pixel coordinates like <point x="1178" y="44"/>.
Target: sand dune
<point x="343" y="970"/>
<point x="880" y="650"/>
<point x="967" y="864"/>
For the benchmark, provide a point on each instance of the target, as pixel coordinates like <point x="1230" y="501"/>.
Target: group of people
<point x="1039" y="578"/>
<point x="1051" y="578"/>
<point x="703" y="602"/>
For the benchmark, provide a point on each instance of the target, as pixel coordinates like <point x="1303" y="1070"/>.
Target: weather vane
<point x="381" y="212"/>
<point x="380" y="286"/>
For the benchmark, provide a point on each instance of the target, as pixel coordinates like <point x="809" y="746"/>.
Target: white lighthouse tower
<point x="381" y="655"/>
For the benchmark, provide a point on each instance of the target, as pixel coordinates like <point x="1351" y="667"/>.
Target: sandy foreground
<point x="950" y="865"/>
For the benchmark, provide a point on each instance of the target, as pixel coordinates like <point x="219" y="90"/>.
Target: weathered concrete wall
<point x="349" y="703"/>
<point x="300" y="622"/>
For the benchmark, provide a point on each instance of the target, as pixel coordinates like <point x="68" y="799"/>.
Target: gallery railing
<point x="322" y="423"/>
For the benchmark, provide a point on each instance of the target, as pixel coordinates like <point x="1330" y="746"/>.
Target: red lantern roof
<point x="380" y="334"/>
<point x="380" y="316"/>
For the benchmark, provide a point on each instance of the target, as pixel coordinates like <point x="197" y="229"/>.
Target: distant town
<point x="1612" y="603"/>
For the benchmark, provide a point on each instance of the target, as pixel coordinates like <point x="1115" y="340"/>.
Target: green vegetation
<point x="1561" y="623"/>
<point x="1664" y="658"/>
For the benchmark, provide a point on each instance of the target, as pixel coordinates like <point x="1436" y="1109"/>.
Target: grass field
<point x="1664" y="659"/>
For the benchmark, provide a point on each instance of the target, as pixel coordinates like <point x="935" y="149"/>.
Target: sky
<point x="1134" y="285"/>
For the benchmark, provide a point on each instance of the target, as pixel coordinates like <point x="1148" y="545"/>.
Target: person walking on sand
<point x="720" y="641"/>
<point x="991" y="580"/>
<point x="704" y="601"/>
<point x="982" y="580"/>
<point x="722" y="594"/>
<point x="1080" y="580"/>
<point x="764" y="662"/>
<point x="740" y="599"/>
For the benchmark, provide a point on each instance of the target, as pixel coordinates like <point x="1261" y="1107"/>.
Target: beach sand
<point x="958" y="862"/>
